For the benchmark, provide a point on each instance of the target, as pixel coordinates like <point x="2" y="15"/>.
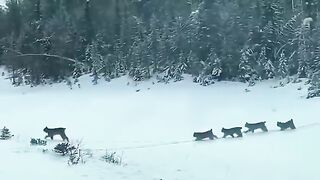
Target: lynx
<point x="232" y="131"/>
<point x="203" y="135"/>
<point x="254" y="126"/>
<point x="56" y="131"/>
<point x="286" y="125"/>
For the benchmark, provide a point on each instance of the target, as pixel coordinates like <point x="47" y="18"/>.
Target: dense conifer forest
<point x="52" y="41"/>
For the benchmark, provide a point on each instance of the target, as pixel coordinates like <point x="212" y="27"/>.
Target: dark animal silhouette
<point x="203" y="135"/>
<point x="232" y="131"/>
<point x="253" y="126"/>
<point x="286" y="125"/>
<point x="56" y="131"/>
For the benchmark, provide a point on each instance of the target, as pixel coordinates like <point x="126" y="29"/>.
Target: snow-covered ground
<point x="2" y="2"/>
<point x="153" y="128"/>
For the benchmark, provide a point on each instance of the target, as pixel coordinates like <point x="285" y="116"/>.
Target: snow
<point x="153" y="130"/>
<point x="2" y="2"/>
<point x="307" y="22"/>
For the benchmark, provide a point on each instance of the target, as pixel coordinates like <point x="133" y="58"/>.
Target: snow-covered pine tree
<point x="302" y="59"/>
<point x="289" y="44"/>
<point x="247" y="73"/>
<point x="95" y="59"/>
<point x="139" y="71"/>
<point x="210" y="17"/>
<point x="215" y="63"/>
<point x="192" y="29"/>
<point x="272" y="19"/>
<point x="155" y="46"/>
<point x="288" y="31"/>
<point x="314" y="89"/>
<point x="77" y="71"/>
<point x="5" y="134"/>
<point x="265" y="64"/>
<point x="120" y="58"/>
<point x="174" y="71"/>
<point x="212" y="69"/>
<point x="139" y="53"/>
<point x="177" y="69"/>
<point x="283" y="68"/>
<point x="161" y="54"/>
<point x="180" y="67"/>
<point x="305" y="49"/>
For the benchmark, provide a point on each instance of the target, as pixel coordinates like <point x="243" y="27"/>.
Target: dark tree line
<point x="50" y="41"/>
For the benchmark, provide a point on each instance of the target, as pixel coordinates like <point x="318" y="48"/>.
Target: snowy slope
<point x="153" y="130"/>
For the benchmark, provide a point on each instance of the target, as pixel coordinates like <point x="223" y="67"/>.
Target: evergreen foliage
<point x="75" y="156"/>
<point x="210" y="40"/>
<point x="38" y="142"/>
<point x="112" y="158"/>
<point x="5" y="134"/>
<point x="64" y="148"/>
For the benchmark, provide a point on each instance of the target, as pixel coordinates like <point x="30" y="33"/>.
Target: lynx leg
<point x="64" y="137"/>
<point x="224" y="136"/>
<point x="264" y="129"/>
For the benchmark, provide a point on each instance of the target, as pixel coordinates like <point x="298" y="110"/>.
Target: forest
<point x="54" y="41"/>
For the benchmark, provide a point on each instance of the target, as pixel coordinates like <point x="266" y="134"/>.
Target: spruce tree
<point x="5" y="134"/>
<point x="247" y="73"/>
<point x="314" y="89"/>
<point x="283" y="68"/>
<point x="268" y="70"/>
<point x="95" y="59"/>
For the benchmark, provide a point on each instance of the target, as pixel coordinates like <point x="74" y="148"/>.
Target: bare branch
<point x="47" y="55"/>
<point x="21" y="55"/>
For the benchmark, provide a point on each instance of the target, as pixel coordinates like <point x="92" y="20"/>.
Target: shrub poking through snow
<point x="74" y="152"/>
<point x="5" y="134"/>
<point x="112" y="158"/>
<point x="38" y="142"/>
<point x="64" y="148"/>
<point x="75" y="156"/>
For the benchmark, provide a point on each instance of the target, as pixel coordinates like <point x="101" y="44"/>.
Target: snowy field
<point x="152" y="130"/>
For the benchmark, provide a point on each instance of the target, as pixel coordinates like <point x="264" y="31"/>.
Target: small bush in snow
<point x="64" y="148"/>
<point x="313" y="92"/>
<point x="73" y="151"/>
<point x="38" y="142"/>
<point x="5" y="134"/>
<point x="75" y="156"/>
<point x="112" y="158"/>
